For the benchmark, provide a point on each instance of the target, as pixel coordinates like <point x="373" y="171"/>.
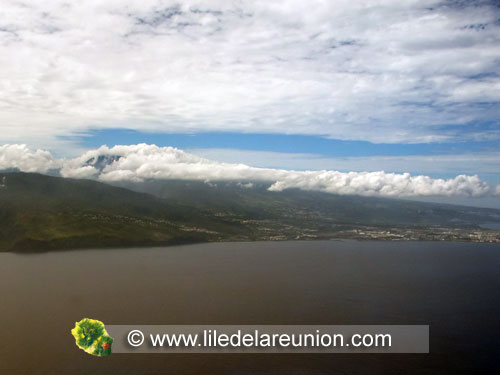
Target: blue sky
<point x="394" y="86"/>
<point x="303" y="152"/>
<point x="280" y="143"/>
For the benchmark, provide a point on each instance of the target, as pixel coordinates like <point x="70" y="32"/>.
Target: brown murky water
<point x="453" y="287"/>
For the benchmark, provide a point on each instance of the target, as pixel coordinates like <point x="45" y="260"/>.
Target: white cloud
<point x="383" y="71"/>
<point x="141" y="162"/>
<point x="24" y="159"/>
<point x="382" y="184"/>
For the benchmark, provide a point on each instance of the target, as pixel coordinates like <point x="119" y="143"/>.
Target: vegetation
<point x="39" y="213"/>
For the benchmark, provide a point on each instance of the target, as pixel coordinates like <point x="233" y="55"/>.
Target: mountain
<point x="256" y="201"/>
<point x="39" y="212"/>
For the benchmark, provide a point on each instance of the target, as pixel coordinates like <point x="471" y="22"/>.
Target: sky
<point x="377" y="88"/>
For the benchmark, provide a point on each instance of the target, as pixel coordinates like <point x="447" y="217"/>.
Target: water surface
<point x="453" y="287"/>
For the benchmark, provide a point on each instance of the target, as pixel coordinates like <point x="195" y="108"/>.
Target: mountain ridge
<point x="40" y="212"/>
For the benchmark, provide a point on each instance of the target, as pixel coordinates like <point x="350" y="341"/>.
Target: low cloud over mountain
<point x="142" y="161"/>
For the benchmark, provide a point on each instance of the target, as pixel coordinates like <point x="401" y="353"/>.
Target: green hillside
<point x="39" y="212"/>
<point x="292" y="205"/>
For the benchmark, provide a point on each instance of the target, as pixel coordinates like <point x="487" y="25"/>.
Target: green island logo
<point x="91" y="336"/>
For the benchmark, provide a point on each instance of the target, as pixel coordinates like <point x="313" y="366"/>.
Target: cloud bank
<point x="381" y="71"/>
<point x="26" y="160"/>
<point x="142" y="162"/>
